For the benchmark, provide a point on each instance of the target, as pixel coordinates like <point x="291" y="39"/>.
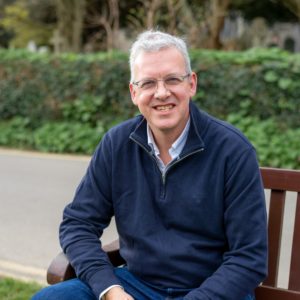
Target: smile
<point x="164" y="107"/>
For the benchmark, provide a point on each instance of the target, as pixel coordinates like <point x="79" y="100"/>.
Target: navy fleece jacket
<point x="201" y="226"/>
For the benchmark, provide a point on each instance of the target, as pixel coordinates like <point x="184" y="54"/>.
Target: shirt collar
<point x="176" y="147"/>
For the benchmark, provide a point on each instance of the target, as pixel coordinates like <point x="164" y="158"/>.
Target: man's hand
<point x="117" y="293"/>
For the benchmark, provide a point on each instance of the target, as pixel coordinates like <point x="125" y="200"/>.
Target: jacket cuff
<point x="102" y="280"/>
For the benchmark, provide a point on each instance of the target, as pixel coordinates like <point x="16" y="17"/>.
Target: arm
<point x="245" y="262"/>
<point x="84" y="221"/>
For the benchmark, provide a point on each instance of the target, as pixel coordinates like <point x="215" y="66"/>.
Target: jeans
<point x="76" y="289"/>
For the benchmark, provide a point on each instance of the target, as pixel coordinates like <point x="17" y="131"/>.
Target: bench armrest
<point x="60" y="268"/>
<point x="271" y="293"/>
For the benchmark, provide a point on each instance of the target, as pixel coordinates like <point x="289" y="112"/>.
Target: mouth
<point x="164" y="107"/>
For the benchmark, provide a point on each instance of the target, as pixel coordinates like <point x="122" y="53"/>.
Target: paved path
<point x="34" y="189"/>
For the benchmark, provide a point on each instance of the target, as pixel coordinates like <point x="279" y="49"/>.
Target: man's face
<point x="165" y="107"/>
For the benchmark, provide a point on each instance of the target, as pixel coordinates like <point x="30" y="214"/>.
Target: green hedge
<point x="39" y="86"/>
<point x="275" y="147"/>
<point x="65" y="103"/>
<point x="264" y="81"/>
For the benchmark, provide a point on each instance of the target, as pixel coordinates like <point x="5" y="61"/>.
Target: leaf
<point x="284" y="83"/>
<point x="271" y="76"/>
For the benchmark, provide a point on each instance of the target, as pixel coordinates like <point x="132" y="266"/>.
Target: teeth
<point x="165" y="107"/>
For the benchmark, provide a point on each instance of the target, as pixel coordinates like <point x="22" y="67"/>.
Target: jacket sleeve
<point x="245" y="262"/>
<point x="84" y="220"/>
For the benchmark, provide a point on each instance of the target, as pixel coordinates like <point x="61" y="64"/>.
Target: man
<point x="185" y="190"/>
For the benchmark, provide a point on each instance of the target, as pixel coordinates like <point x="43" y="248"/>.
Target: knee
<point x="41" y="295"/>
<point x="67" y="290"/>
<point x="47" y="293"/>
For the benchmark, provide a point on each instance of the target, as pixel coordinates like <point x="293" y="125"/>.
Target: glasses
<point x="150" y="84"/>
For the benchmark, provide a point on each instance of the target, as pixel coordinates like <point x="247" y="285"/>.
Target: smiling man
<point x="185" y="190"/>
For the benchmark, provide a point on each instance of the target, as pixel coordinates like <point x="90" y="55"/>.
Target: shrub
<point x="16" y="133"/>
<point x="275" y="147"/>
<point x="265" y="81"/>
<point x="65" y="137"/>
<point x="261" y="82"/>
<point x="64" y="103"/>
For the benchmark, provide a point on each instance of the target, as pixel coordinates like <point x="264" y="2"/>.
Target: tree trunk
<point x="216" y="21"/>
<point x="70" y="16"/>
<point x="79" y="7"/>
<point x="151" y="8"/>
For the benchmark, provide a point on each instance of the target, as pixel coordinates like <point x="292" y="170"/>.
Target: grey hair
<point x="152" y="41"/>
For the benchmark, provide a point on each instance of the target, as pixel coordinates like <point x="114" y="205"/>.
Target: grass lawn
<point x="11" y="289"/>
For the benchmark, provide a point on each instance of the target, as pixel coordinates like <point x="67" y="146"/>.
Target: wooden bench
<point x="279" y="182"/>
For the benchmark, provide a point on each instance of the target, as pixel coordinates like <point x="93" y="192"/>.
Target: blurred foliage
<point x="65" y="103"/>
<point x="93" y="87"/>
<point x="276" y="147"/>
<point x="103" y="25"/>
<point x="41" y="86"/>
<point x="263" y="82"/>
<point x="271" y="10"/>
<point x="25" y="26"/>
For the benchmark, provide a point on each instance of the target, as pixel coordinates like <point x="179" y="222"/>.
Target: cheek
<point x="184" y="96"/>
<point x="142" y="100"/>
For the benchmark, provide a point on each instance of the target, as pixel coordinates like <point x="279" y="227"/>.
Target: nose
<point x="161" y="91"/>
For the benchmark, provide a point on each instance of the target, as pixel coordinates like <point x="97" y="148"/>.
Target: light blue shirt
<point x="175" y="149"/>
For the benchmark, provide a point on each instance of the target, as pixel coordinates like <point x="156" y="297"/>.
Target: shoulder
<point x="229" y="132"/>
<point x="116" y="140"/>
<point x="121" y="132"/>
<point x="215" y="131"/>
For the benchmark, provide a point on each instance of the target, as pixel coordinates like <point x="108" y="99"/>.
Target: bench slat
<point x="281" y="179"/>
<point x="274" y="231"/>
<point x="294" y="282"/>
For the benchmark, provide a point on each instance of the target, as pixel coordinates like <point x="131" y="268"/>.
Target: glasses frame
<point x="182" y="78"/>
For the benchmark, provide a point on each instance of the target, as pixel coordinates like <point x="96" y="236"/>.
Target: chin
<point x="166" y="128"/>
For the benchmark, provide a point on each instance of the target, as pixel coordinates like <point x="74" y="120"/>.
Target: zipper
<point x="179" y="159"/>
<point x="150" y="154"/>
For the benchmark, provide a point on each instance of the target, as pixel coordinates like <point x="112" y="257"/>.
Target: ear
<point x="132" y="93"/>
<point x="193" y="84"/>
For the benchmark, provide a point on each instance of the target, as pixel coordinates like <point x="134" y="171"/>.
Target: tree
<point x="104" y="16"/>
<point x="293" y="6"/>
<point x="173" y="16"/>
<point x="219" y="10"/>
<point x="70" y="16"/>
<point x="91" y="25"/>
<point x="24" y="25"/>
<point x="271" y="10"/>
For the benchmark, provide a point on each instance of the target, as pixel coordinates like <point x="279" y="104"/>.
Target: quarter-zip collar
<point x="194" y="141"/>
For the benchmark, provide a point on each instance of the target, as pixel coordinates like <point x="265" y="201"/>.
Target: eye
<point x="147" y="84"/>
<point x="173" y="80"/>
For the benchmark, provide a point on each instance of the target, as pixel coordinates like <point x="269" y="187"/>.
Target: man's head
<point x="153" y="41"/>
<point x="162" y="82"/>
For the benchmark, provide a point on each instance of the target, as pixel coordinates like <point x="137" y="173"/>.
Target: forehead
<point x="159" y="63"/>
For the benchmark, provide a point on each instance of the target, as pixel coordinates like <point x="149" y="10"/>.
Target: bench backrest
<point x="279" y="182"/>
